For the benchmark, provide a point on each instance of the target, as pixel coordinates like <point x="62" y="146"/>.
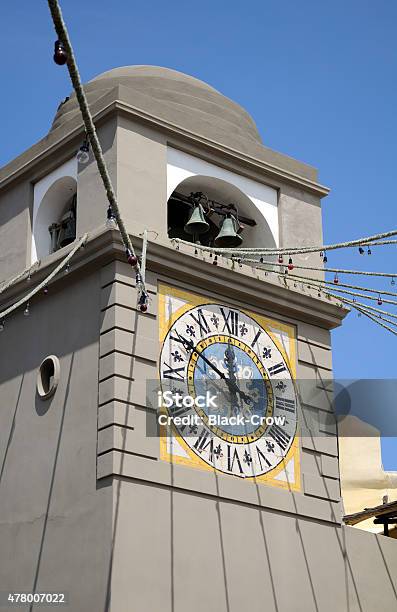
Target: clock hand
<point x="189" y="345"/>
<point x="229" y="359"/>
<point x="231" y="367"/>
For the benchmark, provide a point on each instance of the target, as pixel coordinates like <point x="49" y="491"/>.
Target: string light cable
<point x="27" y="272"/>
<point x="323" y="285"/>
<point x="316" y="269"/>
<point x="63" y="36"/>
<point x="367" y="241"/>
<point x="330" y="283"/>
<point x="366" y="314"/>
<point x="257" y="262"/>
<point x="376" y="318"/>
<point x="43" y="285"/>
<point x="367" y="307"/>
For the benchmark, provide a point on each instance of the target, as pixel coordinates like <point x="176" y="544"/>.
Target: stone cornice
<point x="239" y="284"/>
<point x="175" y="134"/>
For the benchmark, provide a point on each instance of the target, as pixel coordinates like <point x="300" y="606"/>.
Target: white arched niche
<point x="257" y="201"/>
<point x="52" y="195"/>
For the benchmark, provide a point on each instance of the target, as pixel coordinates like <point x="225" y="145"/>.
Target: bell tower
<point x="101" y="500"/>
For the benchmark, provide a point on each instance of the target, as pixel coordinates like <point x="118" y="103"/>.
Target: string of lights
<point x="322" y="286"/>
<point x="368" y="307"/>
<point x="64" y="55"/>
<point x="291" y="266"/>
<point x="43" y="286"/>
<point x="361" y="308"/>
<point x="381" y="317"/>
<point x="376" y="318"/>
<point x="367" y="241"/>
<point x="288" y="266"/>
<point x="366" y="314"/>
<point x="325" y="282"/>
<point x="380" y="299"/>
<point x="27" y="272"/>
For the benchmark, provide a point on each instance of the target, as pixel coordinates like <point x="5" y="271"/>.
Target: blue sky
<point x="318" y="78"/>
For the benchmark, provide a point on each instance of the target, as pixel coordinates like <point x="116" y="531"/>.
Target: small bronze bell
<point x="67" y="231"/>
<point x="197" y="224"/>
<point x="228" y="236"/>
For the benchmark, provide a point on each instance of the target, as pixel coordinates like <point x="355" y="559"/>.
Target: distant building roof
<point x="384" y="510"/>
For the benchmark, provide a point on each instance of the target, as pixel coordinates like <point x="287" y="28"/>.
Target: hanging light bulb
<point x="45" y="290"/>
<point x="132" y="259"/>
<point x="26" y="312"/>
<point x="361" y="250"/>
<point x="143" y="301"/>
<point x="239" y="263"/>
<point x="321" y="253"/>
<point x="369" y="252"/>
<point x="2" y="324"/>
<point x="336" y="279"/>
<point x="196" y="251"/>
<point x="111" y="222"/>
<point x="379" y="300"/>
<point x="60" y="55"/>
<point x="325" y="258"/>
<point x="290" y="264"/>
<point x="215" y="262"/>
<point x="280" y="259"/>
<point x="393" y="282"/>
<point x="28" y="278"/>
<point x="83" y="155"/>
<point x="67" y="269"/>
<point x="261" y="260"/>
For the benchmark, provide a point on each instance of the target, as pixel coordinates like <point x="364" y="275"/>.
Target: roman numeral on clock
<point x="255" y="340"/>
<point x="285" y="404"/>
<point x="279" y="436"/>
<point x="232" y="458"/>
<point x="277" y="369"/>
<point x="174" y="373"/>
<point x="262" y="456"/>
<point x="201" y="322"/>
<point x="203" y="441"/>
<point x="178" y="411"/>
<point x="230" y="321"/>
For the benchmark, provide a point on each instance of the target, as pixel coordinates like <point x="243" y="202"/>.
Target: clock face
<point x="231" y="397"/>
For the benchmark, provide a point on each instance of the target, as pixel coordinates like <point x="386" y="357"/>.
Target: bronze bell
<point x="197" y="224"/>
<point x="67" y="231"/>
<point x="228" y="236"/>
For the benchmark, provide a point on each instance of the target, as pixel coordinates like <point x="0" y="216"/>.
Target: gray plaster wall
<point x="300" y="221"/>
<point x="92" y="202"/>
<point x="15" y="228"/>
<point x="55" y="518"/>
<point x="174" y="551"/>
